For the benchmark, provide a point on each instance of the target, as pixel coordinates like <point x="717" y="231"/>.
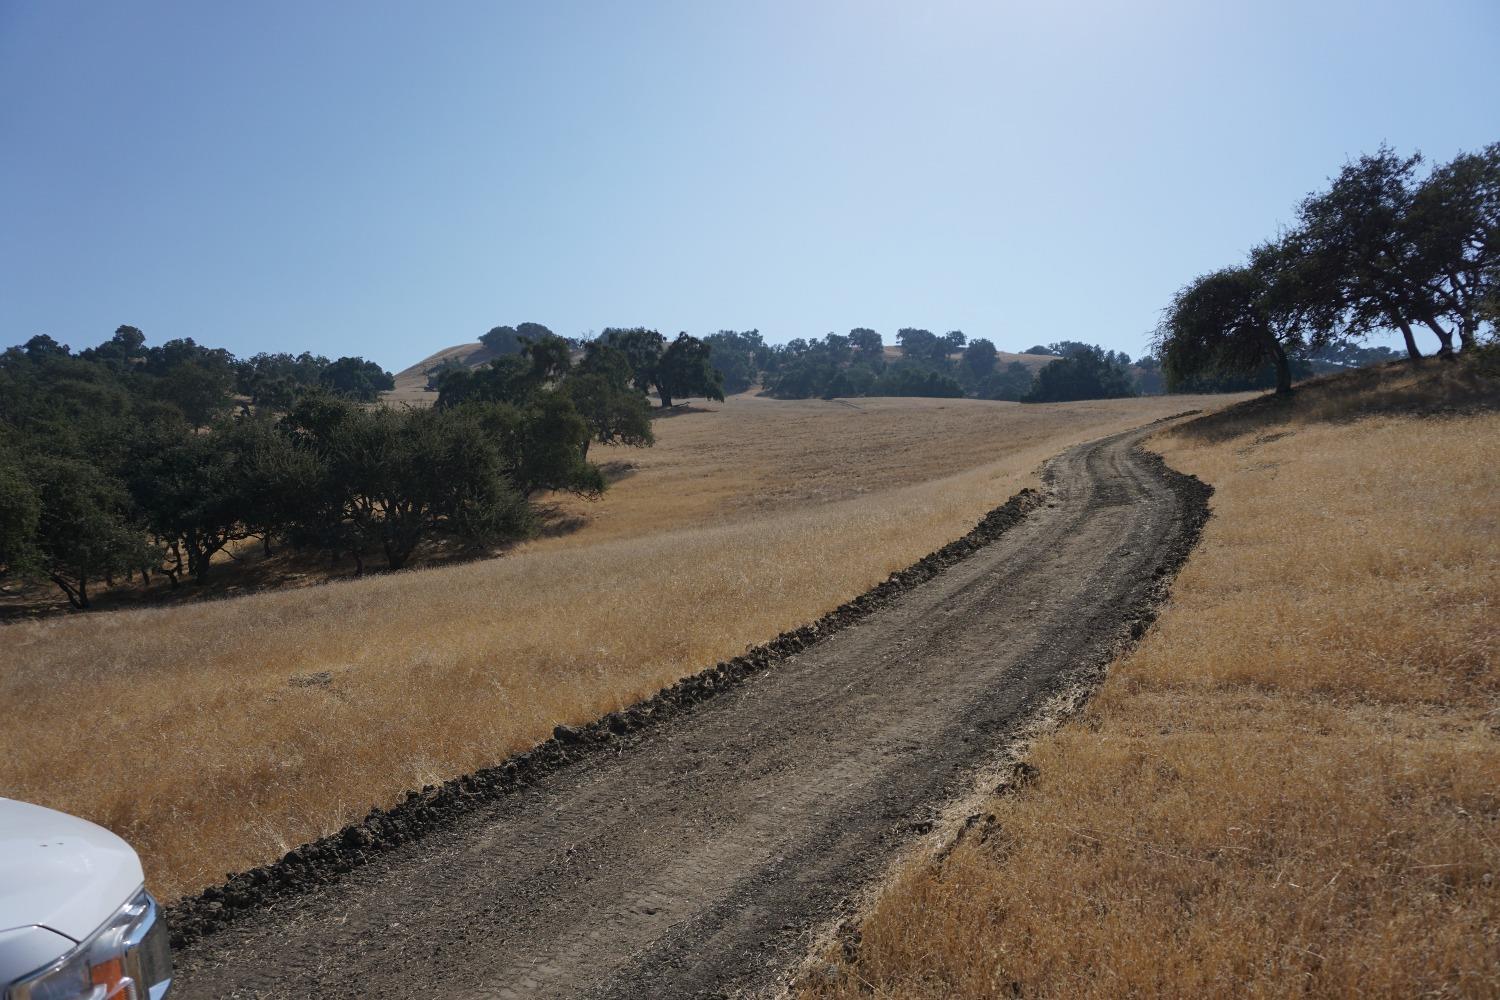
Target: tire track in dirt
<point x="694" y="860"/>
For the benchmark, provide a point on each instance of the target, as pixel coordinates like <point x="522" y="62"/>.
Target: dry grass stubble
<point x="216" y="736"/>
<point x="1292" y="787"/>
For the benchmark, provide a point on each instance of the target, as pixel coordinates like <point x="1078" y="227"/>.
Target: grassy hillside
<point x="754" y="457"/>
<point x="1292" y="786"/>
<point x="233" y="730"/>
<point x="411" y="383"/>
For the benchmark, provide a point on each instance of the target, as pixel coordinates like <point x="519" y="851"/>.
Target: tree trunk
<point x="1466" y="337"/>
<point x="1411" y="341"/>
<point x="190" y="543"/>
<point x="175" y="570"/>
<point x="1283" y="368"/>
<point x="396" y="553"/>
<point x="666" y="397"/>
<point x="199" y="555"/>
<point x="73" y="595"/>
<point x="1445" y="337"/>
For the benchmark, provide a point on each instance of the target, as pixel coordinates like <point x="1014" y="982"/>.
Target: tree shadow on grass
<point x="679" y="410"/>
<point x="1469" y="383"/>
<point x="251" y="571"/>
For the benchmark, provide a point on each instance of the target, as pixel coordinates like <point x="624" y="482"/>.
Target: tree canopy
<point x="1086" y="372"/>
<point x="1379" y="249"/>
<point x="921" y="345"/>
<point x="685" y="369"/>
<point x="738" y="357"/>
<point x="356" y="378"/>
<point x="1010" y="383"/>
<point x="979" y="357"/>
<point x="868" y="347"/>
<point x="677" y="370"/>
<point x="510" y="339"/>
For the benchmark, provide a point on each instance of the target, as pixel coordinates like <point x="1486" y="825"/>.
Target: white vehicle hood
<point x="61" y="872"/>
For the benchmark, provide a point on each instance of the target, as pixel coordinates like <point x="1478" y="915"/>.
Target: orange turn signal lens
<point x="110" y="974"/>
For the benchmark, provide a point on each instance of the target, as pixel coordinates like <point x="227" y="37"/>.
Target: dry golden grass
<point x="755" y="457"/>
<point x="1292" y="786"/>
<point x="411" y="383"/>
<point x="183" y="729"/>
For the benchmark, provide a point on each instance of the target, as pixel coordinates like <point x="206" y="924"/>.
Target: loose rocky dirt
<point x="692" y="856"/>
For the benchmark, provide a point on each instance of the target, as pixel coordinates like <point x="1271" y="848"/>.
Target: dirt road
<point x="693" y="862"/>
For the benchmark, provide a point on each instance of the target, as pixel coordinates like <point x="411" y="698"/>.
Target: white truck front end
<point x="76" y="922"/>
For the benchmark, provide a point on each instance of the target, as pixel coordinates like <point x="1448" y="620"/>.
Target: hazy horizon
<point x="391" y="181"/>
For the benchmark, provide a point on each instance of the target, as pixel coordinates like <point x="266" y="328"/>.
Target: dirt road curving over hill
<point x="693" y="861"/>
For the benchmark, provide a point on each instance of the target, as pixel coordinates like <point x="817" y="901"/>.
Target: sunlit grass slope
<point x="215" y="736"/>
<point x="1292" y="786"/>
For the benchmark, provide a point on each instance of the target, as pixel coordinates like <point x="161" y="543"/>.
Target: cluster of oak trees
<point x="855" y="365"/>
<point x="121" y="458"/>
<point x="643" y="358"/>
<point x="1381" y="248"/>
<point x="135" y="463"/>
<point x="946" y="365"/>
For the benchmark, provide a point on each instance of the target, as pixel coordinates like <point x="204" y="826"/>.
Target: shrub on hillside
<point x="1086" y="373"/>
<point x="907" y="379"/>
<point x="1008" y="383"/>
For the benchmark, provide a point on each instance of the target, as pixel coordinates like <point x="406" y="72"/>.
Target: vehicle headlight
<point x="126" y="959"/>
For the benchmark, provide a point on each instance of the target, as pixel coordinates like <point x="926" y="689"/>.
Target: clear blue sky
<point x="389" y="179"/>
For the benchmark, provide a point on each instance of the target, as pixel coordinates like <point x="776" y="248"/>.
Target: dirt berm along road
<point x="694" y="861"/>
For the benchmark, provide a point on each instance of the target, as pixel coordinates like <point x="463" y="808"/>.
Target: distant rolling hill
<point x="411" y="383"/>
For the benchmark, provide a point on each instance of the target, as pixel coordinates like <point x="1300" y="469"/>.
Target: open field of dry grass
<point x="1292" y="786"/>
<point x="754" y="457"/>
<point x="217" y="735"/>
